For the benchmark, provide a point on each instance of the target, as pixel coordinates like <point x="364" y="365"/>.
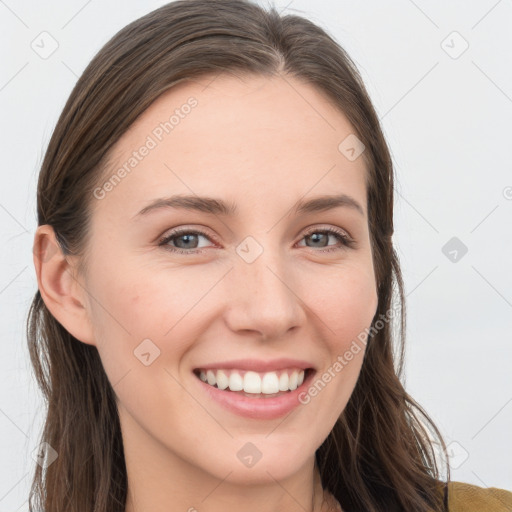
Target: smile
<point x="252" y="383"/>
<point x="255" y="395"/>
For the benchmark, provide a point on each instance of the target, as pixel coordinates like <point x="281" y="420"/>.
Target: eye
<point x="345" y="240"/>
<point x="187" y="240"/>
<point x="185" y="235"/>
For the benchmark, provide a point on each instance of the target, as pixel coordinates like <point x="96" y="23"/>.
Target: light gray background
<point x="448" y="123"/>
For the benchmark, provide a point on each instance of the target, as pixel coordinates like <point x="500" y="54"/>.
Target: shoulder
<point x="463" y="497"/>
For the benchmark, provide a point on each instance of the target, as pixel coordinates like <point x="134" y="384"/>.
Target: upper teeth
<point x="253" y="382"/>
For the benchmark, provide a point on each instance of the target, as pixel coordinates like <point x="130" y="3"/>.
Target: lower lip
<point x="257" y="408"/>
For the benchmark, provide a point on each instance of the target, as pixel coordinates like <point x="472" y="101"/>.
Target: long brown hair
<point x="380" y="455"/>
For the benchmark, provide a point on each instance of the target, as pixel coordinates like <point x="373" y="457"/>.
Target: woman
<point x="252" y="371"/>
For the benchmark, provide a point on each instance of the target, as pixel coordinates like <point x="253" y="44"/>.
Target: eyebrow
<point x="219" y="207"/>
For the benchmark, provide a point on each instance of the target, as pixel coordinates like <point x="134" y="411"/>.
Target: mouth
<point x="253" y="384"/>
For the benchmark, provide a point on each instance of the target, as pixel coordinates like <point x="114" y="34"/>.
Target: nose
<point x="264" y="297"/>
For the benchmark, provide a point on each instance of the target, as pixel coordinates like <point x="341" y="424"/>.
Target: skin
<point x="263" y="145"/>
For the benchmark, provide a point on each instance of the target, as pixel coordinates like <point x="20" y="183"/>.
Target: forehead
<point x="253" y="138"/>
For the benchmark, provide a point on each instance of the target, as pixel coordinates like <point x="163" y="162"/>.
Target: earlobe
<point x="62" y="293"/>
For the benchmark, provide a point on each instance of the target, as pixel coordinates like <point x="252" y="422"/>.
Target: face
<point x="268" y="286"/>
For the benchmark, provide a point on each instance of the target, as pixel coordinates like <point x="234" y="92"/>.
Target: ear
<point x="63" y="294"/>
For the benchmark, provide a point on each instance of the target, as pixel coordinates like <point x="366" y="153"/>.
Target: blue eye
<point x="345" y="240"/>
<point x="182" y="234"/>
<point x="186" y="236"/>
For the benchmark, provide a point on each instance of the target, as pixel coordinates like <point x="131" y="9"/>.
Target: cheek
<point x="346" y="304"/>
<point x="136" y="304"/>
<point x="138" y="311"/>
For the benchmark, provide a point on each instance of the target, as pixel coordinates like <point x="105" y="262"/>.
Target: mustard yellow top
<point x="464" y="497"/>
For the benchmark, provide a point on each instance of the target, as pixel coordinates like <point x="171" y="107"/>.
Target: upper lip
<point x="258" y="365"/>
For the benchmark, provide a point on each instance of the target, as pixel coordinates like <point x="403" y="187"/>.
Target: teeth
<point x="268" y="383"/>
<point x="210" y="376"/>
<point x="252" y="382"/>
<point x="222" y="380"/>
<point x="283" y="382"/>
<point x="294" y="377"/>
<point x="235" y="382"/>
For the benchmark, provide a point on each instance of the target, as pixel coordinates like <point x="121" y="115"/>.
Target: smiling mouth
<point x="254" y="384"/>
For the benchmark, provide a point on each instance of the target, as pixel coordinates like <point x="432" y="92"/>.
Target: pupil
<point x="315" y="236"/>
<point x="185" y="237"/>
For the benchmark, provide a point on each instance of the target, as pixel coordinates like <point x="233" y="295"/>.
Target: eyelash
<point x="346" y="241"/>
